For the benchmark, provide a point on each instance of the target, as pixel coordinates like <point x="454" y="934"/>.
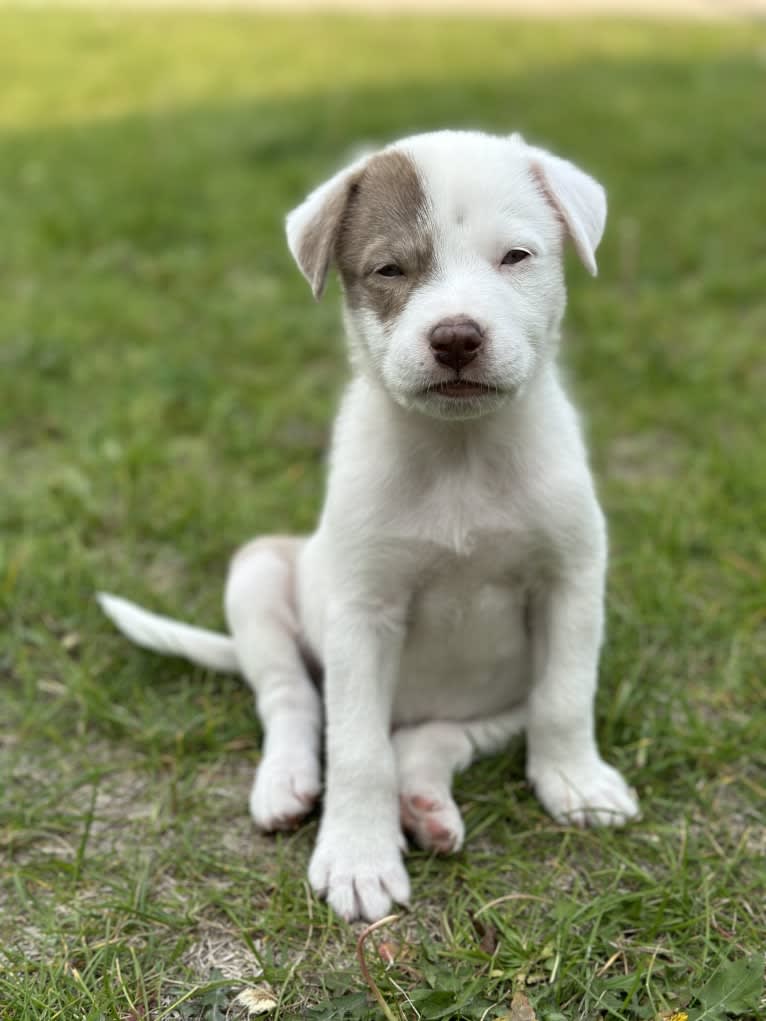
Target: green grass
<point x="166" y="388"/>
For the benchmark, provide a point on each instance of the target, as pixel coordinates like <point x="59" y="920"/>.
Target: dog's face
<point x="449" y="247"/>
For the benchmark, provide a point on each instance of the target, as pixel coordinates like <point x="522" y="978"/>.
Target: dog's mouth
<point x="461" y="388"/>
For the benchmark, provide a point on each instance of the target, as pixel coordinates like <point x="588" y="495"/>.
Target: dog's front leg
<point x="357" y="863"/>
<point x="563" y="763"/>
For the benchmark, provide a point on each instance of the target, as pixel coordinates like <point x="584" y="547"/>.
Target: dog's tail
<point x="170" y="637"/>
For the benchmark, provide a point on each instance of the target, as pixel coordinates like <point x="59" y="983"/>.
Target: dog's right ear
<point x="577" y="197"/>
<point x="312" y="228"/>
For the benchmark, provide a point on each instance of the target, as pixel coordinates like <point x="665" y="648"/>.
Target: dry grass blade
<point x="509" y="896"/>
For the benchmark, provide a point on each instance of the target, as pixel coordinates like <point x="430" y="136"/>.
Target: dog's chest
<point x="466" y="647"/>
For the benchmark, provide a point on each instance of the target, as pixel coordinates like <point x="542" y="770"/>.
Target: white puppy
<point x="452" y="595"/>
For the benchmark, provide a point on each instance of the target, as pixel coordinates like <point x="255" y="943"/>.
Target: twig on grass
<point x="363" y="936"/>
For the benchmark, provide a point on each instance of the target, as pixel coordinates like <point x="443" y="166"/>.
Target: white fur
<point x="453" y="590"/>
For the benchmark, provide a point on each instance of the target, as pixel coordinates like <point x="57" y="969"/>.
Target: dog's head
<point x="449" y="248"/>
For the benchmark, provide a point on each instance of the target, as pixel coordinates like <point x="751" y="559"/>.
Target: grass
<point x="166" y="388"/>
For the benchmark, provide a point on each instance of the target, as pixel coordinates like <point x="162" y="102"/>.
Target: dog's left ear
<point x="577" y="197"/>
<point x="312" y="228"/>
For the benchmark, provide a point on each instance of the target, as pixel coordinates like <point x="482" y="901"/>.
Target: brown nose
<point x="455" y="342"/>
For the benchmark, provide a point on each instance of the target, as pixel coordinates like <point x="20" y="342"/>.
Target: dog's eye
<point x="515" y="255"/>
<point x="389" y="270"/>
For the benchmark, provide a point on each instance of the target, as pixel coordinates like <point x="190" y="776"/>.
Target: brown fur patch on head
<point x="386" y="222"/>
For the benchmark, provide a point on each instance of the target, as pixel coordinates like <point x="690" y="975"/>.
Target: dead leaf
<point x="521" y="1009"/>
<point x="51" y="687"/>
<point x="256" y="1000"/>
<point x="487" y="934"/>
<point x="388" y="952"/>
<point x="71" y="641"/>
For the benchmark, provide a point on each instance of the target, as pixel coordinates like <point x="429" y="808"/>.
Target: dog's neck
<point x="406" y="430"/>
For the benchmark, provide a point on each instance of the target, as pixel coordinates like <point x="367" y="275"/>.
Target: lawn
<point x="166" y="389"/>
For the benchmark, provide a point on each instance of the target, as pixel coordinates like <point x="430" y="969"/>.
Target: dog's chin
<point x="458" y="400"/>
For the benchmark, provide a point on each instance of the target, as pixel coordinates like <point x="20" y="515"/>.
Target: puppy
<point x="452" y="594"/>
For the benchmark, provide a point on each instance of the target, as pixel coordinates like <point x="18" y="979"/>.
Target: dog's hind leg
<point x="427" y="757"/>
<point x="262" y="615"/>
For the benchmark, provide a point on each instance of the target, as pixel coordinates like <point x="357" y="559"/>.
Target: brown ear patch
<point x="319" y="237"/>
<point x="386" y="221"/>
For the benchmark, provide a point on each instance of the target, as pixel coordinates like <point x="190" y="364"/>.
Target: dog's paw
<point x="359" y="874"/>
<point x="433" y="819"/>
<point x="584" y="794"/>
<point x="284" y="791"/>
